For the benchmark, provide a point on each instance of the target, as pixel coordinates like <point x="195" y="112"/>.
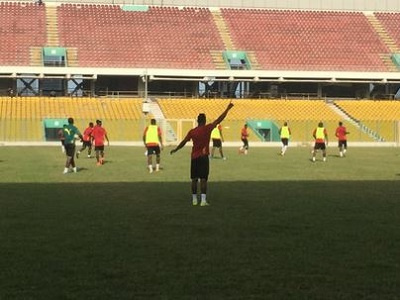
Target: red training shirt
<point x="341" y="133"/>
<point x="244" y="133"/>
<point x="99" y="134"/>
<point x="201" y="140"/>
<point x="87" y="134"/>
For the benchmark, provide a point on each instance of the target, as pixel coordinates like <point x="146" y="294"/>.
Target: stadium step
<point x="223" y="30"/>
<point x="387" y="60"/>
<point x="35" y="56"/>
<point x="52" y="26"/>
<point x="352" y="120"/>
<point x="253" y="60"/>
<point x="155" y="109"/>
<point x="72" y="57"/>
<point x="218" y="60"/>
<point x="383" y="34"/>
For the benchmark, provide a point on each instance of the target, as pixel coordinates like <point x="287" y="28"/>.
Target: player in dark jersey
<point x="199" y="168"/>
<point x="70" y="132"/>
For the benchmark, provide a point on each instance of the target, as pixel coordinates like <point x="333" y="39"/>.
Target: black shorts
<point x="217" y="143"/>
<point x="87" y="144"/>
<point x="200" y="168"/>
<point x="342" y="143"/>
<point x="70" y="149"/>
<point x="99" y="148"/>
<point x="245" y="143"/>
<point x="63" y="142"/>
<point x="285" y="141"/>
<point x="153" y="150"/>
<point x="319" y="146"/>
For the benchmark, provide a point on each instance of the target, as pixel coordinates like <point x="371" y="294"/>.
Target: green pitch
<point x="277" y="228"/>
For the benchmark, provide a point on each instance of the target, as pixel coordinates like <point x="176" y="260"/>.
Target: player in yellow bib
<point x="321" y="141"/>
<point x="152" y="139"/>
<point x="285" y="134"/>
<point x="217" y="139"/>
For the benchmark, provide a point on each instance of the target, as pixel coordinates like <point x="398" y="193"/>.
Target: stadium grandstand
<point x="127" y="61"/>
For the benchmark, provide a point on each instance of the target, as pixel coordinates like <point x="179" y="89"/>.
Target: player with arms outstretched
<point x="200" y="164"/>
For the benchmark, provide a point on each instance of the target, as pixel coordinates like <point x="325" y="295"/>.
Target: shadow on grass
<point x="270" y="240"/>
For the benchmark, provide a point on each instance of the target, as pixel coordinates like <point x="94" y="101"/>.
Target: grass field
<point x="277" y="228"/>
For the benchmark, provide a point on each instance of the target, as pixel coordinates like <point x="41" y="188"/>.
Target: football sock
<point x="194" y="199"/>
<point x="203" y="198"/>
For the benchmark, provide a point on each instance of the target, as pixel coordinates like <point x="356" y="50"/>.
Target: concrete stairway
<point x="35" y="55"/>
<point x="387" y="39"/>
<point x="226" y="39"/>
<point x="223" y="30"/>
<point x="72" y="57"/>
<point x="155" y="110"/>
<point x="253" y="60"/>
<point x="350" y="119"/>
<point x="218" y="60"/>
<point x="52" y="26"/>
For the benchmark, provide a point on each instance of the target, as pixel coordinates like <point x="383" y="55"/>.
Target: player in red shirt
<point x="87" y="140"/>
<point x="99" y="134"/>
<point x="199" y="168"/>
<point x="244" y="135"/>
<point x="341" y="133"/>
